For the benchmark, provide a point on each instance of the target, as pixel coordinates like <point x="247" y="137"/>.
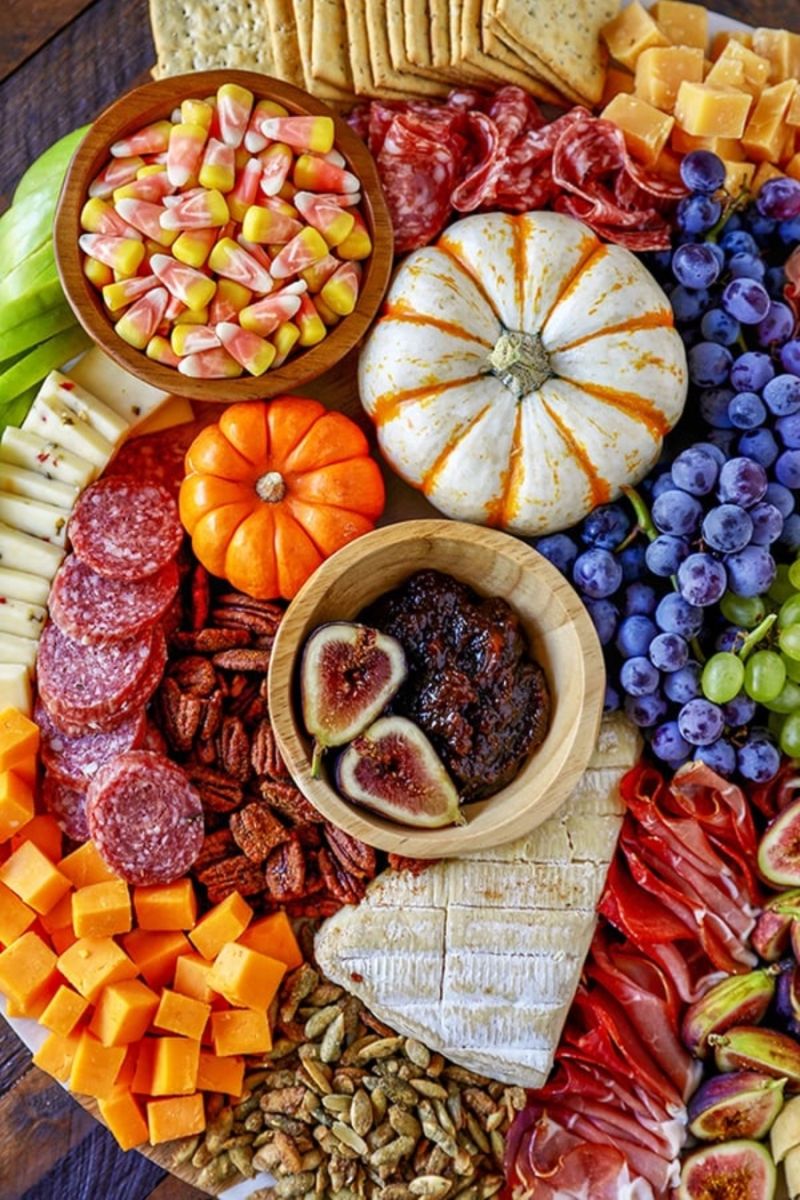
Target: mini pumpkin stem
<point x="520" y="361"/>
<point x="271" y="487"/>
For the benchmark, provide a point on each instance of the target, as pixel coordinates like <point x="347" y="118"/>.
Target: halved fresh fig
<point x="742" y="1104"/>
<point x="735" y="1000"/>
<point x="348" y="675"/>
<point x="770" y="937"/>
<point x="742" y="1169"/>
<point x="392" y="768"/>
<point x="750" y="1048"/>
<point x="779" y="851"/>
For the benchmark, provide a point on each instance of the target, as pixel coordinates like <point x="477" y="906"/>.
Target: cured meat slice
<point x="93" y="608"/>
<point x="145" y="818"/>
<point x="75" y="759"/>
<point x="157" y="457"/>
<point x="68" y="805"/>
<point x="125" y="529"/>
<point x="90" y="685"/>
<point x="418" y="173"/>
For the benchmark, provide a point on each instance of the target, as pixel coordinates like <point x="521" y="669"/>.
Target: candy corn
<point x="97" y="273"/>
<point x="340" y="293"/>
<point x="245" y="189"/>
<point x="334" y="222"/>
<point x="190" y="286"/>
<point x="185" y="152"/>
<point x="301" y="133"/>
<point x="229" y="300"/>
<point x="210" y="364"/>
<point x="146" y="218"/>
<point x="193" y="339"/>
<point x="358" y="244"/>
<point x="254" y="140"/>
<point x="152" y="139"/>
<point x="159" y="349"/>
<point x="197" y="112"/>
<point x="250" y="351"/>
<point x="116" y="173"/>
<point x="333" y="156"/>
<point x="234" y="105"/>
<point x="174" y="309"/>
<point x="193" y="246"/>
<point x="276" y="163"/>
<point x="316" y="175"/>
<point x="317" y="274"/>
<point x="257" y="252"/>
<point x="218" y="169"/>
<point x="98" y="216"/>
<point x="231" y="260"/>
<point x="268" y="314"/>
<point x="263" y="225"/>
<point x="140" y="322"/>
<point x="303" y="250"/>
<point x="125" y="291"/>
<point x="278" y="205"/>
<point x="328" y="315"/>
<point x="146" y="187"/>
<point x="200" y="210"/>
<point x="122" y="254"/>
<point x="309" y="322"/>
<point x="284" y="342"/>
<point x="193" y="316"/>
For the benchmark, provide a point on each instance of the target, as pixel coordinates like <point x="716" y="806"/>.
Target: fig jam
<point x="472" y="684"/>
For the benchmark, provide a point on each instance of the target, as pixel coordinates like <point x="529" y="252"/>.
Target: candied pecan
<point x="205" y="752"/>
<point x="290" y="801"/>
<point x="255" y="711"/>
<point x="310" y="836"/>
<point x="286" y="871"/>
<point x="180" y="715"/>
<point x="254" y="659"/>
<point x="237" y="874"/>
<point x="240" y="693"/>
<point x="233" y="748"/>
<point x="200" y="597"/>
<point x="266" y="757"/>
<point x="210" y="641"/>
<point x="356" y="857"/>
<point x="218" y="791"/>
<point x="399" y="862"/>
<point x="342" y="886"/>
<point x="316" y="907"/>
<point x="212" y="715"/>
<point x="193" y="674"/>
<point x="240" y="618"/>
<point x="238" y="602"/>
<point x="256" y="831"/>
<point x="215" y="847"/>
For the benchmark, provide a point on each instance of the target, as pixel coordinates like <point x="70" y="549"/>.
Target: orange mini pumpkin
<point x="273" y="489"/>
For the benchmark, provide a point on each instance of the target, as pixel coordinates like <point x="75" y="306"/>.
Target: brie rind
<point x="480" y="957"/>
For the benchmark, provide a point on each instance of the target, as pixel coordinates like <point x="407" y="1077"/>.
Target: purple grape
<point x="709" y="364"/>
<point x="560" y="550"/>
<point x="702" y="580"/>
<point x="789" y="231"/>
<point x="695" y="471"/>
<point x="676" y="615"/>
<point x="669" y="652"/>
<point x="747" y="300"/>
<point x="747" y="411"/>
<point x="719" y="326"/>
<point x="720" y="756"/>
<point x="790" y="356"/>
<point x="777" y="326"/>
<point x="605" y="617"/>
<point x="712" y="449"/>
<point x="684" y="684"/>
<point x="739" y="711"/>
<point x="767" y="523"/>
<point x="779" y="199"/>
<point x="634" y="636"/>
<point x="781" y="497"/>
<point x="738" y="241"/>
<point x="714" y="404"/>
<point x="612" y="700"/>
<point x="695" y="265"/>
<point x="782" y="395"/>
<point x="747" y="266"/>
<point x="597" y="574"/>
<point x="751" y="571"/>
<point x="676" y="512"/>
<point x="789" y="430"/>
<point x="667" y="744"/>
<point x="790" y="536"/>
<point x="760" y="445"/>
<point x="758" y="759"/>
<point x="688" y="306"/>
<point x="605" y="527"/>
<point x="638" y="676"/>
<point x="631" y="559"/>
<point x="730" y="640"/>
<point x="645" y="710"/>
<point x="787" y="469"/>
<point x="727" y="528"/>
<point x="700" y="722"/>
<point x="697" y="214"/>
<point x="752" y="371"/>
<point x="703" y="172"/>
<point x="664" y="483"/>
<point x="742" y="482"/>
<point x="761" y="227"/>
<point x="639" y="599"/>
<point x="664" y="555"/>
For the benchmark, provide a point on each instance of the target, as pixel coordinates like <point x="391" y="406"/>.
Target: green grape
<point x="792" y="668"/>
<point x="794" y="574"/>
<point x="746" y="611"/>
<point x="775" y="723"/>
<point x="790" y="736"/>
<point x="764" y="676"/>
<point x="781" y="589"/>
<point x="723" y="676"/>
<point x="789" y="641"/>
<point x="789" y="612"/>
<point x="787" y="700"/>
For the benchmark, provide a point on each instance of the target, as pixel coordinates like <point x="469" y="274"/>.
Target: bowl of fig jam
<point x="504" y="676"/>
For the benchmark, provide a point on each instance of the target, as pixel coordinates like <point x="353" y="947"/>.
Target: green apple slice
<point x="35" y="330"/>
<point x="26" y="227"/>
<point x="33" y="273"/>
<point x="50" y="166"/>
<point x="33" y="367"/>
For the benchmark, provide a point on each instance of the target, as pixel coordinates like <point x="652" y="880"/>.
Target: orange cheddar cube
<point x="246" y="978"/>
<point x="60" y="915"/>
<point x="755" y="68"/>
<point x="782" y="49"/>
<point x="220" y="1074"/>
<point x="175" y="1066"/>
<point x="273" y="935"/>
<point x="644" y="128"/>
<point x="711" y="112"/>
<point x="789" y="147"/>
<point x="720" y="40"/>
<point x="15" y="916"/>
<point x="661" y="70"/>
<point x="240" y="1031"/>
<point x="684" y="24"/>
<point x="102" y="909"/>
<point x="224" y="923"/>
<point x="630" y="32"/>
<point x="27" y="769"/>
<point x="765" y="133"/>
<point x="27" y="968"/>
<point x="45" y="833"/>
<point x="155" y="954"/>
<point x="95" y="1067"/>
<point x="166" y="905"/>
<point x="192" y="972"/>
<point x="725" y="148"/>
<point x="64" y="1011"/>
<point x="16" y="804"/>
<point x="55" y="1055"/>
<point x="765" y="171"/>
<point x="182" y="1014"/>
<point x="19" y="738"/>
<point x="84" y="866"/>
<point x="62" y="939"/>
<point x="616" y="81"/>
<point x="124" y="1119"/>
<point x="180" y="1116"/>
<point x="124" y="1012"/>
<point x="91" y="964"/>
<point x="142" y="1082"/>
<point x="33" y="878"/>
<point x="793" y="111"/>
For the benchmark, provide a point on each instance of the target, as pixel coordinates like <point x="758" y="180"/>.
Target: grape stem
<point x="756" y="635"/>
<point x="644" y="521"/>
<point x="738" y="202"/>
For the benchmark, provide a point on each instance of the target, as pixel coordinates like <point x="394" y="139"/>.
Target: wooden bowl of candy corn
<point x="223" y="235"/>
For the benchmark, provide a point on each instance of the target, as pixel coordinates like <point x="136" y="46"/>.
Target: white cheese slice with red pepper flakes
<point x="129" y="397"/>
<point x="20" y="448"/>
<point x="479" y="957"/>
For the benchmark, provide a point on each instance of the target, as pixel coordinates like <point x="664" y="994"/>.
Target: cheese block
<point x="22" y="618"/>
<point x="31" y="516"/>
<point x="782" y="49"/>
<point x="176" y="410"/>
<point x="19" y="585"/>
<point x="661" y="70"/>
<point x="630" y="32"/>
<point x="479" y="957"/>
<point x="16" y="481"/>
<point x="15" y="687"/>
<point x="86" y="407"/>
<point x="40" y="558"/>
<point x="755" y="68"/>
<point x="129" y="397"/>
<point x="765" y="134"/>
<point x="52" y="418"/>
<point x="644" y="127"/>
<point x="684" y="24"/>
<point x="19" y="650"/>
<point x="21" y="448"/>
<point x="711" y="112"/>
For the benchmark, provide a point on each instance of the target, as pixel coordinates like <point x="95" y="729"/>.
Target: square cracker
<point x="565" y="36"/>
<point x="472" y="52"/>
<point x="363" y="79"/>
<point x="285" y="48"/>
<point x="330" y="56"/>
<point x="383" y="72"/>
<point x="203" y="34"/>
<point x="409" y="26"/>
<point x="498" y="43"/>
<point x="303" y="21"/>
<point x="440" y="33"/>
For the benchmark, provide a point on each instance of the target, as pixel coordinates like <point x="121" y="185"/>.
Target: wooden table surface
<point x="61" y="62"/>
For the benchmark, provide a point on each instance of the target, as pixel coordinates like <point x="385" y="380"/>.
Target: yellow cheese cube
<point x="683" y="24"/>
<point x="711" y="112"/>
<point x="15" y="916"/>
<point x="738" y="176"/>
<point x="84" y="866"/>
<point x="175" y="1066"/>
<point x="783" y="51"/>
<point x="19" y="738"/>
<point x="616" y="81"/>
<point x="91" y="964"/>
<point x="726" y="148"/>
<point x="27" y="969"/>
<point x="644" y="128"/>
<point x="124" y="1119"/>
<point x="720" y="41"/>
<point x="55" y="1055"/>
<point x="793" y="167"/>
<point x="176" y="1117"/>
<point x="765" y="133"/>
<point x="765" y="171"/>
<point x="33" y="877"/>
<point x="630" y="32"/>
<point x="95" y="1067"/>
<point x="756" y="69"/>
<point x="726" y="73"/>
<point x="661" y="70"/>
<point x="793" y="111"/>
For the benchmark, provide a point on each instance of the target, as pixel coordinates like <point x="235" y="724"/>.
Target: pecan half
<point x="180" y="714"/>
<point x="256" y="831"/>
<point x="210" y="641"/>
<point x="215" y="847"/>
<point x="286" y="871"/>
<point x="236" y="874"/>
<point x="289" y="800"/>
<point x="194" y="674"/>
<point x="218" y="791"/>
<point x="254" y="659"/>
<point x="233" y="747"/>
<point x="356" y="857"/>
<point x="266" y="757"/>
<point x="212" y="715"/>
<point x="342" y="886"/>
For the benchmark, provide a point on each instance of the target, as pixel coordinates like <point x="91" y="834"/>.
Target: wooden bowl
<point x="155" y="101"/>
<point x="561" y="636"/>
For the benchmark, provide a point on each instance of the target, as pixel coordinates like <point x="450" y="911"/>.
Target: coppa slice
<point x="125" y="529"/>
<point x="145" y="818"/>
<point x="75" y="759"/>
<point x="93" y="608"/>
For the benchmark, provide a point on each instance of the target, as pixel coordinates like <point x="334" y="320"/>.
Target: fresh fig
<point x="794" y="937"/>
<point x="779" y="850"/>
<point x="750" y="1048"/>
<point x="785" y="1133"/>
<point x="392" y="768"/>
<point x="741" y="1170"/>
<point x="741" y="1104"/>
<point x="770" y="936"/>
<point x="348" y="675"/>
<point x="736" y="1000"/>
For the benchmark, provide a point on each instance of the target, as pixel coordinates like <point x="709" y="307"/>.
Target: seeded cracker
<point x="411" y="30"/>
<point x="498" y="44"/>
<point x="383" y="72"/>
<point x="285" y="49"/>
<point x="472" y="52"/>
<point x="440" y="33"/>
<point x="330" y="57"/>
<point x="359" y="54"/>
<point x="564" y="34"/>
<point x="303" y="22"/>
<point x="199" y="35"/>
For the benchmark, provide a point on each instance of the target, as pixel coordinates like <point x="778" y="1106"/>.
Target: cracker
<point x="498" y="44"/>
<point x="470" y="73"/>
<point x="440" y="33"/>
<point x="417" y="22"/>
<point x="285" y="48"/>
<point x="363" y="80"/>
<point x="383" y="73"/>
<point x="330" y="57"/>
<point x="565" y="36"/>
<point x="200" y="35"/>
<point x="473" y="53"/>
<point x="303" y="17"/>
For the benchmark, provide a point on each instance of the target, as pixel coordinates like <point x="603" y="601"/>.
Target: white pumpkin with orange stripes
<point x="523" y="371"/>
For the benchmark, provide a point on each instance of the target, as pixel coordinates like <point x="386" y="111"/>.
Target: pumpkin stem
<point x="520" y="361"/>
<point x="271" y="487"/>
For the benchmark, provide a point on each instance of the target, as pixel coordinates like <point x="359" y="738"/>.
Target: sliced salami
<point x="67" y="804"/>
<point x="125" y="529"/>
<point x="93" y="608"/>
<point x="418" y="175"/>
<point x="75" y="759"/>
<point x="157" y="457"/>
<point x="145" y="818"/>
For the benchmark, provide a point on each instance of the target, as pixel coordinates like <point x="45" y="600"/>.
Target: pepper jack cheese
<point x="711" y="112"/>
<point x="645" y="128"/>
<point x="660" y="70"/>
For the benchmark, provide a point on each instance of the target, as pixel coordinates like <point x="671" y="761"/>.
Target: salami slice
<point x="125" y="529"/>
<point x="93" y="608"/>
<point x="75" y="759"/>
<point x="418" y="174"/>
<point x="67" y="804"/>
<point x="145" y="818"/>
<point x="157" y="457"/>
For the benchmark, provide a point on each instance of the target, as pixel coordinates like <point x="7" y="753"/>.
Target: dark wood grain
<point x="29" y="24"/>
